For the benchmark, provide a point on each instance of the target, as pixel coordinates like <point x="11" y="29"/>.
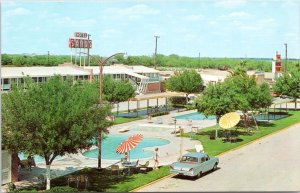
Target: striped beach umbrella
<point x="229" y="120"/>
<point x="129" y="144"/>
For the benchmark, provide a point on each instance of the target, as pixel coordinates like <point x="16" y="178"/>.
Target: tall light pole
<point x="99" y="138"/>
<point x="155" y="53"/>
<point x="285" y="66"/>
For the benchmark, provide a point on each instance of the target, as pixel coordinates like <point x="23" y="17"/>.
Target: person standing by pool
<point x="156" y="163"/>
<point x="125" y="156"/>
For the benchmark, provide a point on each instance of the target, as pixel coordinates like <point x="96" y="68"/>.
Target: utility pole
<point x="199" y="59"/>
<point x="48" y="57"/>
<point x="88" y="49"/>
<point x="285" y="66"/>
<point x="155" y="50"/>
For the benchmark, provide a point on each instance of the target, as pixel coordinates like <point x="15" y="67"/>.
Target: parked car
<point x="194" y="164"/>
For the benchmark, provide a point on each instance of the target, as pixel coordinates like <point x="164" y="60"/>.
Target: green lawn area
<point x="218" y="146"/>
<point x="120" y="120"/>
<point x="106" y="181"/>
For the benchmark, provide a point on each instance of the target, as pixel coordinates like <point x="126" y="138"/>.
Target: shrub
<point x="178" y="100"/>
<point x="190" y="107"/>
<point x="62" y="189"/>
<point x="159" y="114"/>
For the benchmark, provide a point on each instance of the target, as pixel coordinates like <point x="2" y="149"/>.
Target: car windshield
<point x="189" y="159"/>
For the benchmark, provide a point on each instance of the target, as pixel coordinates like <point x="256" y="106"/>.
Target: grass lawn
<point x="106" y="181"/>
<point x="120" y="120"/>
<point x="218" y="146"/>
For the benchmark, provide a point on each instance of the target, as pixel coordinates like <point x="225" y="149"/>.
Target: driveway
<point x="269" y="164"/>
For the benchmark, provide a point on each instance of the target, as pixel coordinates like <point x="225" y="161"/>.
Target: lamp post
<point x="99" y="138"/>
<point x="175" y="125"/>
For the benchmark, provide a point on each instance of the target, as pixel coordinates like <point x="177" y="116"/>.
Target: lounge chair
<point x="123" y="130"/>
<point x="176" y="131"/>
<point x="116" y="168"/>
<point x="159" y="120"/>
<point x="143" y="167"/>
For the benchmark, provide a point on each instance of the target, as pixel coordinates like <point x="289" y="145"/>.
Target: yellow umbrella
<point x="229" y="120"/>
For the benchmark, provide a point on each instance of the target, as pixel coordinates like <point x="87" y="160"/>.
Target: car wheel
<point x="199" y="174"/>
<point x="215" y="166"/>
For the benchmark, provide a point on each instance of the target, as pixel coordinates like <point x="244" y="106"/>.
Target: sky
<point x="209" y="28"/>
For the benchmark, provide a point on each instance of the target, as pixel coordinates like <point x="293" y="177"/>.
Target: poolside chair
<point x="83" y="179"/>
<point x="159" y="120"/>
<point x="176" y="131"/>
<point x="143" y="167"/>
<point x="73" y="178"/>
<point x="116" y="168"/>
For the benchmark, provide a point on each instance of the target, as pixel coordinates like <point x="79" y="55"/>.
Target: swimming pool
<point x="195" y="116"/>
<point x="110" y="143"/>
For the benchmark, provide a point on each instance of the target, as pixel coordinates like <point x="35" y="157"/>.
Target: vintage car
<point x="194" y="164"/>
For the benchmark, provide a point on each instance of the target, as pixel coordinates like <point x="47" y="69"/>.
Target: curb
<point x="221" y="154"/>
<point x="153" y="182"/>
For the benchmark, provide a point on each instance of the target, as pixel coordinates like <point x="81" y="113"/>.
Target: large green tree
<point x="218" y="99"/>
<point x="288" y="84"/>
<point x="116" y="91"/>
<point x="53" y="118"/>
<point x="238" y="92"/>
<point x="188" y="81"/>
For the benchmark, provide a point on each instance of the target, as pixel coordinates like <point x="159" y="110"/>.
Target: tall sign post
<point x="80" y="41"/>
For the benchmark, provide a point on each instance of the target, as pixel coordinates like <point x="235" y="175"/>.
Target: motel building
<point x="144" y="79"/>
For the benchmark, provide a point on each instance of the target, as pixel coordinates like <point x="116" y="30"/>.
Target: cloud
<point x="193" y="17"/>
<point x="268" y="24"/>
<point x="292" y="36"/>
<point x="239" y="14"/>
<point x="17" y="12"/>
<point x="75" y="23"/>
<point x="134" y="12"/>
<point x="106" y="33"/>
<point x="230" y="3"/>
<point x="189" y="37"/>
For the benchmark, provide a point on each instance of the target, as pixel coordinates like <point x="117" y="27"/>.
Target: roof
<point x="156" y="95"/>
<point x="195" y="154"/>
<point x="279" y="100"/>
<point x="143" y="69"/>
<point x="115" y="69"/>
<point x="41" y="71"/>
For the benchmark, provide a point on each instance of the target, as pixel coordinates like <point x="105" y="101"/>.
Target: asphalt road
<point x="269" y="164"/>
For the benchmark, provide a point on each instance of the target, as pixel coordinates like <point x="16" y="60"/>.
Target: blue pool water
<point x="195" y="116"/>
<point x="110" y="144"/>
<point x="270" y="117"/>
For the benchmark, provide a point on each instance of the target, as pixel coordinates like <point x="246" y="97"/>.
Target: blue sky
<point x="213" y="28"/>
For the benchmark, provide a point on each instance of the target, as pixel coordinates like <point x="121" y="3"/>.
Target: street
<point x="268" y="164"/>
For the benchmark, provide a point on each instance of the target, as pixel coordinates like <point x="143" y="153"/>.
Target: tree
<point x="264" y="96"/>
<point x="53" y="118"/>
<point x="235" y="93"/>
<point x="253" y="96"/>
<point x="116" y="91"/>
<point x="239" y="70"/>
<point x="189" y="81"/>
<point x="288" y="84"/>
<point x="218" y="99"/>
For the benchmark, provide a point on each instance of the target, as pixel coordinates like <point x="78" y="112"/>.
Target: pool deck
<point x="167" y="153"/>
